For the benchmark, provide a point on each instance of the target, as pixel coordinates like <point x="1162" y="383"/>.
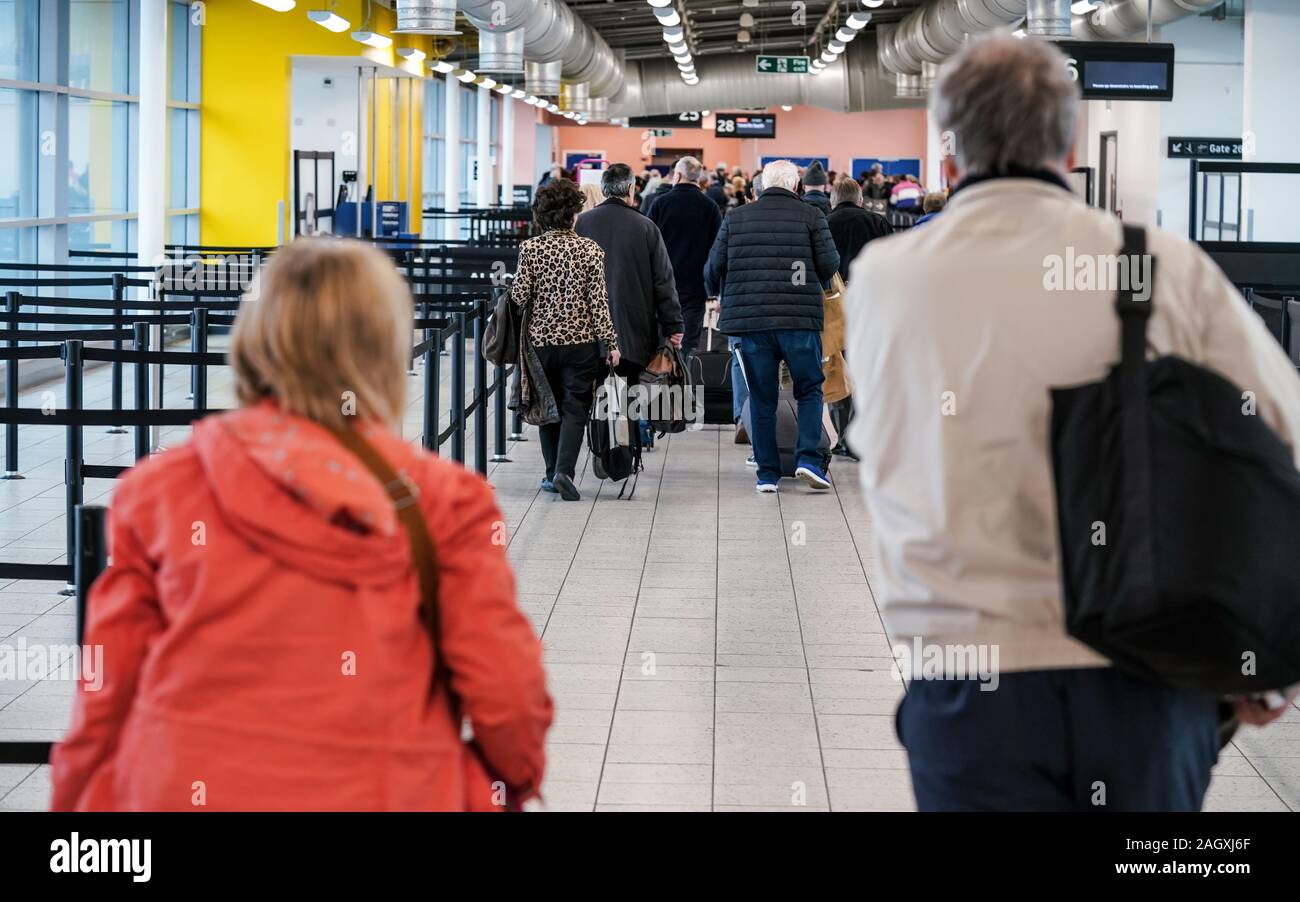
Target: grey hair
<point x="781" y="174"/>
<point x="689" y="169"/>
<point x="846" y="190"/>
<point x="1007" y="103"/>
<point x="757" y="182"/>
<point x="617" y="180"/>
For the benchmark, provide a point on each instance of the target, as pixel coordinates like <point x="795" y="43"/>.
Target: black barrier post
<point x="119" y="292"/>
<point x="72" y="383"/>
<point x="91" y="557"/>
<point x="458" y="391"/>
<point x="12" y="301"/>
<point x="199" y="345"/>
<point x="432" y="391"/>
<point x="141" y="391"/>
<point x="480" y="394"/>
<point x="499" y="417"/>
<point x="518" y="434"/>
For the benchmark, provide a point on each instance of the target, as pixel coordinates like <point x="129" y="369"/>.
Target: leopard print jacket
<point x="563" y="277"/>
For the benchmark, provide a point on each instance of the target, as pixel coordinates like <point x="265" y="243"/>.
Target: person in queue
<point x="267" y="648"/>
<point x="961" y="495"/>
<point x="689" y="222"/>
<point x="815" y="187"/>
<point x="852" y="229"/>
<point x="638" y="273"/>
<point x="932" y="206"/>
<point x="770" y="263"/>
<point x="561" y="275"/>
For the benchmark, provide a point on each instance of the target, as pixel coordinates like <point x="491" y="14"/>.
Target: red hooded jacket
<point x="263" y="648"/>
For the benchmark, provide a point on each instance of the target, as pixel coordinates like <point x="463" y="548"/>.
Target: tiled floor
<point x="708" y="648"/>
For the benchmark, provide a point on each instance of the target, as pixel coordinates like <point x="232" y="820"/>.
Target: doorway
<point x="1108" y="184"/>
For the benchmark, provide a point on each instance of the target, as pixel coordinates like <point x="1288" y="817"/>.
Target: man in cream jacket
<point x="957" y="332"/>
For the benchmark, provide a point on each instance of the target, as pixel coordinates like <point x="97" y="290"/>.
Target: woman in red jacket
<point x="263" y="641"/>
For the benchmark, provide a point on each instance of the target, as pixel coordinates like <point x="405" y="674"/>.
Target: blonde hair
<point x="325" y="330"/>
<point x="592" y="197"/>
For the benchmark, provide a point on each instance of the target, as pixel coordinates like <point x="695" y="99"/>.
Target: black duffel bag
<point x="1179" y="514"/>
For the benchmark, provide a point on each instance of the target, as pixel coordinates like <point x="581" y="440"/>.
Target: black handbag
<point x="1179" y="514"/>
<point x="667" y="392"/>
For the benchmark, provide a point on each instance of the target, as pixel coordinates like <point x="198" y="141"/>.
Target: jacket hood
<point x="286" y="486"/>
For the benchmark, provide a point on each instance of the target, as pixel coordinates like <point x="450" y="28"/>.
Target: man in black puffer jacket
<point x="769" y="264"/>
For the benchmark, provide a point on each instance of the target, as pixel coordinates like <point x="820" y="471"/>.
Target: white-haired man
<point x="769" y="265"/>
<point x="689" y="222"/>
<point x="953" y="330"/>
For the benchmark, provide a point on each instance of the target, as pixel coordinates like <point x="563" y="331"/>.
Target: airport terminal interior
<point x="706" y="646"/>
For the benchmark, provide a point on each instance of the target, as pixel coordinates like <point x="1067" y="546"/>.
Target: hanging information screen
<point x="1118" y="70"/>
<point x="744" y="125"/>
<point x="692" y="119"/>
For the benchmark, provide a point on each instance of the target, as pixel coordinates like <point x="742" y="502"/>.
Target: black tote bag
<point x="1179" y="519"/>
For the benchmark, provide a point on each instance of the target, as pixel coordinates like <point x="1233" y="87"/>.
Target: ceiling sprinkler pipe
<point x="426" y="17"/>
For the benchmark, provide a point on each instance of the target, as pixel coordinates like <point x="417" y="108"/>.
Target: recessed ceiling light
<point x="742" y="36"/>
<point x="372" y="38"/>
<point x="326" y="18"/>
<point x="746" y="20"/>
<point x="786" y="107"/>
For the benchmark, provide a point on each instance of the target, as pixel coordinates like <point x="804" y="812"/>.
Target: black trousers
<point x="693" y="317"/>
<point x="571" y="371"/>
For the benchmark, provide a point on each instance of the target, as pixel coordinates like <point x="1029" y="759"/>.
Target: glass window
<point x="183" y="158"/>
<point x="435" y="92"/>
<point x="494" y="117"/>
<point x="184" y="58"/>
<point x="19" y="139"/>
<point x="98" y="156"/>
<point x="99" y="45"/>
<point x="19" y="39"/>
<point x="19" y="246"/>
<point x="469" y="114"/>
<point x="183" y="229"/>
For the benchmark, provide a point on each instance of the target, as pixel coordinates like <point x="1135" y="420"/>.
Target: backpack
<point x="613" y="438"/>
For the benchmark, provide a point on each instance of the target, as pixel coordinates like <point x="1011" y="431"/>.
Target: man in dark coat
<point x="852" y="228"/>
<point x="648" y="200"/>
<point x="770" y="264"/>
<point x="717" y="192"/>
<point x="815" y="187"/>
<point x="638" y="272"/>
<point x="689" y="222"/>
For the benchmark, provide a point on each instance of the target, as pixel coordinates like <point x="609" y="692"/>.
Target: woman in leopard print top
<point x="563" y="277"/>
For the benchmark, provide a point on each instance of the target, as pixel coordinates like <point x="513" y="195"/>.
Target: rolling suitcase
<point x="787" y="428"/>
<point x="712" y="370"/>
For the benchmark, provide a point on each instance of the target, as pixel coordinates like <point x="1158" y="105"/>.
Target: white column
<point x="451" y="155"/>
<point x="506" y="165"/>
<point x="932" y="173"/>
<point x="1271" y="121"/>
<point x="484" y="152"/>
<point x="151" y="158"/>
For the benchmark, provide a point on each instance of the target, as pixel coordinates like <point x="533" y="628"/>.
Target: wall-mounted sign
<point x="1205" y="148"/>
<point x="744" y="125"/>
<point x="781" y="65"/>
<point x="669" y="120"/>
<point x="1119" y="70"/>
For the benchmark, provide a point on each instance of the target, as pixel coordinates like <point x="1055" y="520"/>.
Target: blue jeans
<point x="739" y="391"/>
<point x="1092" y="739"/>
<point x="762" y="353"/>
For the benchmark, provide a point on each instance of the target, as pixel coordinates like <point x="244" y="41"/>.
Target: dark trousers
<point x="761" y="354"/>
<point x="693" y="317"/>
<point x="570" y="370"/>
<point x="1058" y="740"/>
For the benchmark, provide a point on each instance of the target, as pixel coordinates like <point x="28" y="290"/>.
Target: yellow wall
<point x="247" y="67"/>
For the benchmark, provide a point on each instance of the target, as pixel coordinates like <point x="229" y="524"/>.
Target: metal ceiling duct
<point x="728" y="82"/>
<point x="1116" y="19"/>
<point x="551" y="32"/>
<point x="426" y="17"/>
<point x="1048" y="18"/>
<point x="575" y="96"/>
<point x="501" y="51"/>
<point x="542" y="79"/>
<point x="598" y="109"/>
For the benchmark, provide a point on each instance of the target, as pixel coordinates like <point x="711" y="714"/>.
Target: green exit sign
<point x="782" y="65"/>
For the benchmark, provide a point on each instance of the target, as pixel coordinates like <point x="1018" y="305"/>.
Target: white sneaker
<point x="766" y="488"/>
